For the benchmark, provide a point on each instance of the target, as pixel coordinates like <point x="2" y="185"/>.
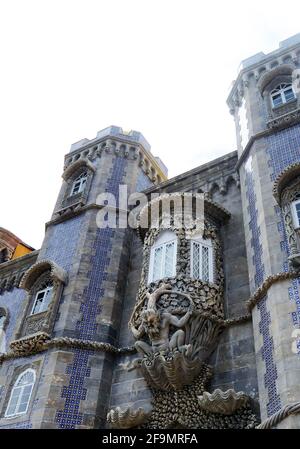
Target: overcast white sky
<point x="163" y="67"/>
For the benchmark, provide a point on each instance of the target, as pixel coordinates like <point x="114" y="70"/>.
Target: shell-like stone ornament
<point x="223" y="402"/>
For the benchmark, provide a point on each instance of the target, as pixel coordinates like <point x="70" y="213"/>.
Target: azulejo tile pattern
<point x="62" y="243"/>
<point x="270" y="376"/>
<point x="283" y="150"/>
<point x="14" y="302"/>
<point x="75" y="392"/>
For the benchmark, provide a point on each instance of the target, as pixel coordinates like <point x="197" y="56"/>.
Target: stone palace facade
<point x="165" y="327"/>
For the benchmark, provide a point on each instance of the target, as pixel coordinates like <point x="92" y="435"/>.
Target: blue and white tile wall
<point x="74" y="393"/>
<point x="14" y="302"/>
<point x="267" y="349"/>
<point x="283" y="149"/>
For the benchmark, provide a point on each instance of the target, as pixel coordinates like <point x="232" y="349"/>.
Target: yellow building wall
<point x="20" y="251"/>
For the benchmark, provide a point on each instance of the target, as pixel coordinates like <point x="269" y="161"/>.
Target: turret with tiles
<point x="80" y="276"/>
<point x="265" y="103"/>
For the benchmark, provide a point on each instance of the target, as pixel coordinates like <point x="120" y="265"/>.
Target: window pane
<point x="205" y="263"/>
<point x="289" y="94"/>
<point x="157" y="263"/>
<point x="22" y="408"/>
<point x="196" y="260"/>
<point x="277" y="100"/>
<point x="297" y="206"/>
<point x="169" y="260"/>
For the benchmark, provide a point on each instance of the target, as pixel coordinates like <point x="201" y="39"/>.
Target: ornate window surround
<point x="286" y="191"/>
<point x="70" y="176"/>
<point x="269" y="82"/>
<point x="200" y="242"/>
<point x="21" y="389"/>
<point x="41" y="273"/>
<point x="165" y="239"/>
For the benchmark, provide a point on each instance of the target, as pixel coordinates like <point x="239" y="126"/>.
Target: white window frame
<point x="46" y="290"/>
<point x="208" y="244"/>
<point x="164" y="239"/>
<point x="81" y="180"/>
<point x="280" y="90"/>
<point x="296" y="219"/>
<point x="21" y="389"/>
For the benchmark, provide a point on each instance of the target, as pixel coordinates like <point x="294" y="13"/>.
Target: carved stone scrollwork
<point x="41" y="274"/>
<point x="178" y="346"/>
<point x="33" y="343"/>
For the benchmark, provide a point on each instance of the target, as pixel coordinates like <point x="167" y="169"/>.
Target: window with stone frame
<point x="43" y="297"/>
<point x="21" y="394"/>
<point x="202" y="259"/>
<point x="44" y="283"/>
<point x="79" y="184"/>
<point x="78" y="179"/>
<point x="282" y="94"/>
<point x="287" y="193"/>
<point x="163" y="257"/>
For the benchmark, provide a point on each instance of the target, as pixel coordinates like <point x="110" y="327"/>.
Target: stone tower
<point x="83" y="269"/>
<point x="265" y="103"/>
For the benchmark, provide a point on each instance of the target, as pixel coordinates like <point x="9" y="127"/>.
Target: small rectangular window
<point x="163" y="261"/>
<point x="202" y="261"/>
<point x="42" y="300"/>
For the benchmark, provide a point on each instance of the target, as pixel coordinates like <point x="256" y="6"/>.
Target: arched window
<point x="42" y="298"/>
<point x="163" y="257"/>
<point x="282" y="94"/>
<point x="3" y="255"/>
<point x="21" y="394"/>
<point x="79" y="184"/>
<point x="202" y="259"/>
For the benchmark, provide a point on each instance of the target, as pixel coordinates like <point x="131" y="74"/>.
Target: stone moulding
<point x="40" y="342"/>
<point x="31" y="344"/>
<point x="287" y="119"/>
<point x="40" y="267"/>
<point x="287" y="410"/>
<point x="83" y="162"/>
<point x="268" y="282"/>
<point x="126" y="418"/>
<point x="223" y="402"/>
<point x="27" y="349"/>
<point x="284" y="179"/>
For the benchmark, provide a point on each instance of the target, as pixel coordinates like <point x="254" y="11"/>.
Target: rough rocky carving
<point x="172" y="360"/>
<point x="31" y="344"/>
<point x="181" y="409"/>
<point x="128" y="417"/>
<point x="223" y="402"/>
